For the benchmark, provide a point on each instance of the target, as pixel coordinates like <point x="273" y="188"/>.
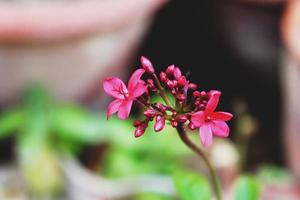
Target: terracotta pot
<point x="68" y="45"/>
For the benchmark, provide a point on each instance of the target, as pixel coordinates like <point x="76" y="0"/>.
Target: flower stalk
<point x="214" y="178"/>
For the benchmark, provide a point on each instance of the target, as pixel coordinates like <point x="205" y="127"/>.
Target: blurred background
<point x="55" y="142"/>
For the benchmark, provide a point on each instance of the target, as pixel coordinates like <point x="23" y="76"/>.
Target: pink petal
<point x="220" y="128"/>
<point x="134" y="79"/>
<point x="223" y="116"/>
<point x="205" y="133"/>
<point x="113" y="107"/>
<point x="124" y="109"/>
<point x="112" y="86"/>
<point x="213" y="101"/>
<point x="198" y="118"/>
<point x="139" y="90"/>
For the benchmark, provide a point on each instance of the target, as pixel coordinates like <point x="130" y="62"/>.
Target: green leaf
<point x="10" y="122"/>
<point x="192" y="186"/>
<point x="247" y="188"/>
<point x="76" y="124"/>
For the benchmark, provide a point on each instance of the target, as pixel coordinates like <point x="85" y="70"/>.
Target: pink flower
<point x="124" y="95"/>
<point x="210" y="122"/>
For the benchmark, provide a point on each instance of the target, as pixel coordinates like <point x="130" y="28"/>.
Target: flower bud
<point x="139" y="131"/>
<point x="150" y="113"/>
<point x="203" y="93"/>
<point x="170" y="84"/>
<point x="180" y="97"/>
<point x="137" y="123"/>
<point x="174" y="113"/>
<point x="159" y="123"/>
<point x="182" y="81"/>
<point x="192" y="86"/>
<point x="196" y="94"/>
<point x="170" y="69"/>
<point x="182" y="118"/>
<point x="147" y="65"/>
<point x="177" y="73"/>
<point x="191" y="126"/>
<point x="150" y="83"/>
<point x="174" y="123"/>
<point x="163" y="77"/>
<point x="161" y="108"/>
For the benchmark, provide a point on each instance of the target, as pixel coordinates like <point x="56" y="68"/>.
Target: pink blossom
<point x="124" y="95"/>
<point x="210" y="122"/>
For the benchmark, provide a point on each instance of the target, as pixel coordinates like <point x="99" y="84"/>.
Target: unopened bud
<point x="161" y="107"/>
<point x="170" y="69"/>
<point x="150" y="113"/>
<point x="196" y="94"/>
<point x="147" y="65"/>
<point x="177" y="73"/>
<point x="170" y="84"/>
<point x="182" y="81"/>
<point x="163" y="77"/>
<point x="174" y="123"/>
<point x="191" y="126"/>
<point x="192" y="86"/>
<point x="180" y="97"/>
<point x="137" y="123"/>
<point x="159" y="123"/>
<point x="182" y="118"/>
<point x="139" y="131"/>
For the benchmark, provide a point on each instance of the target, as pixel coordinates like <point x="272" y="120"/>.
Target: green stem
<point x="161" y="91"/>
<point x="214" y="178"/>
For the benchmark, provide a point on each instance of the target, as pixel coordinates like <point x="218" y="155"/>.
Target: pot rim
<point x="48" y="20"/>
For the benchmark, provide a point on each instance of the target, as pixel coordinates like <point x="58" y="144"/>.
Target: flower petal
<point x="223" y="116"/>
<point x="139" y="90"/>
<point x="113" y="107"/>
<point x="113" y="85"/>
<point x="213" y="101"/>
<point x="220" y="128"/>
<point x="134" y="79"/>
<point x="124" y="109"/>
<point x="206" y="136"/>
<point x="198" y="118"/>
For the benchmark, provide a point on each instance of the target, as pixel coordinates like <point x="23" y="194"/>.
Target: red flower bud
<point x="180" y="97"/>
<point x="150" y="83"/>
<point x="182" y="118"/>
<point x="170" y="69"/>
<point x="174" y="113"/>
<point x="137" y="123"/>
<point x="150" y="113"/>
<point x="196" y="94"/>
<point x="192" y="86"/>
<point x="159" y="123"/>
<point x="174" y="123"/>
<point x="203" y="93"/>
<point x="161" y="107"/>
<point x="177" y="73"/>
<point x="163" y="77"/>
<point x="147" y="65"/>
<point x="170" y="84"/>
<point x="139" y="131"/>
<point x="182" y="81"/>
<point x="191" y="126"/>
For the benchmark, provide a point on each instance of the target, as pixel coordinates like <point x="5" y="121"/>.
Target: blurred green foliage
<point x="247" y="188"/>
<point x="192" y="186"/>
<point x="44" y="131"/>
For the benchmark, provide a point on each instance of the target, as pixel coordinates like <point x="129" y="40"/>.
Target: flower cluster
<point x="193" y="108"/>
